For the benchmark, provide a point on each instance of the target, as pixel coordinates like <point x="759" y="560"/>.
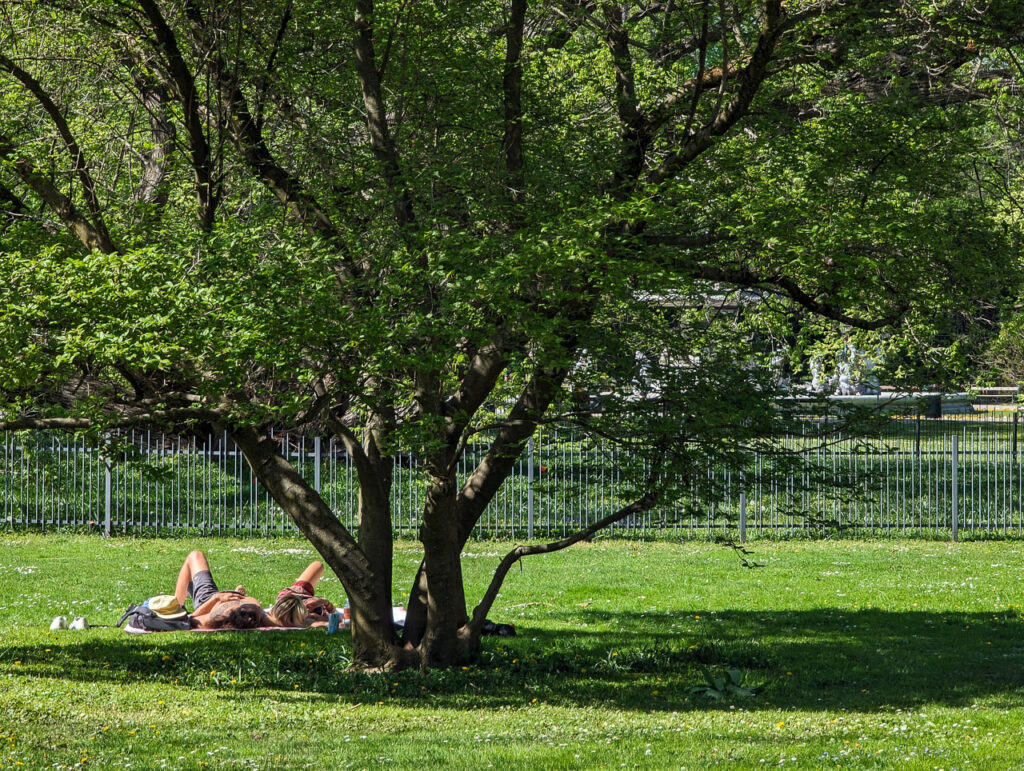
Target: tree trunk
<point x="368" y="586"/>
<point x="457" y="510"/>
<point x="376" y="536"/>
<point x="442" y="572"/>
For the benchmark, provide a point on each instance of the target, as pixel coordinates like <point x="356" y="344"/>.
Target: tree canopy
<point x="425" y="222"/>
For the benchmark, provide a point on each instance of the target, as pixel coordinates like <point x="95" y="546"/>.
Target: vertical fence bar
<point x="743" y="508"/>
<point x="1016" y="417"/>
<point x="529" y="488"/>
<point x="107" y="495"/>
<point x="955" y="501"/>
<point x="316" y="463"/>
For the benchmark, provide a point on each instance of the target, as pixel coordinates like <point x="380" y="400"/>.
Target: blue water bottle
<point x="332" y="622"/>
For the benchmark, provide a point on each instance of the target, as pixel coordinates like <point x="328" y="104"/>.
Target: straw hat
<point x="167" y="606"/>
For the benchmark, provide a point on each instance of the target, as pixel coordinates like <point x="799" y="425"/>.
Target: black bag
<point x="141" y="617"/>
<point x="502" y="630"/>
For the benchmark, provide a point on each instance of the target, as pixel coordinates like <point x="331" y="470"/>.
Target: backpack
<point x="502" y="630"/>
<point x="141" y="617"/>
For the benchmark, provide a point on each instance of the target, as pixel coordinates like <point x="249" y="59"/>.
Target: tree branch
<point x="748" y="278"/>
<point x="152" y="188"/>
<point x="59" y="203"/>
<point x="14" y="203"/>
<point x="702" y="56"/>
<point x="79" y="164"/>
<point x="309" y="512"/>
<point x="268" y="73"/>
<point x="184" y="84"/>
<point x="633" y="125"/>
<point x="172" y="415"/>
<point x="512" y="89"/>
<point x="485" y="480"/>
<point x="642" y="504"/>
<point x="381" y="142"/>
<point x="482" y="373"/>
<point x="748" y="79"/>
<point x="689" y="241"/>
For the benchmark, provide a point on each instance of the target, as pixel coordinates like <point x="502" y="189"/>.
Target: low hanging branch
<point x="172" y="415"/>
<point x="642" y="504"/>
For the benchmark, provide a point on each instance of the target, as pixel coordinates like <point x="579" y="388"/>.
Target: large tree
<point x="429" y="222"/>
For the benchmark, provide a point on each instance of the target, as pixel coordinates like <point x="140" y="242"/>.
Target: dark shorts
<point x="201" y="588"/>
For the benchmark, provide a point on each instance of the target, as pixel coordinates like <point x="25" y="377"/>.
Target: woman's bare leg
<point x="312" y="573"/>
<point x="195" y="562"/>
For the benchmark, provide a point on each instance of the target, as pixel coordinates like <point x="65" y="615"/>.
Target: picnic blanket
<point x="133" y="630"/>
<point x="397" y="614"/>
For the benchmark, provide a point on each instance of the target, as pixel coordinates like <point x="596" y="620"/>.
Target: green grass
<point x="871" y="655"/>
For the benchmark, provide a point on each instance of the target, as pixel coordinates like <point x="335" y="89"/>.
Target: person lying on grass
<point x="303" y="591"/>
<point x="215" y="609"/>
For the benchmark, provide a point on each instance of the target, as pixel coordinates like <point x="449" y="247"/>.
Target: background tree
<point x="420" y="223"/>
<point x="999" y="179"/>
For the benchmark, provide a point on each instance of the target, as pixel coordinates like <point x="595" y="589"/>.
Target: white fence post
<point x="956" y="464"/>
<point x="529" y="488"/>
<point x="107" y="495"/>
<point x="743" y="507"/>
<point x="316" y="463"/>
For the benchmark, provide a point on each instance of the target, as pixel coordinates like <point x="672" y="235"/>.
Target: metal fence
<point x="943" y="477"/>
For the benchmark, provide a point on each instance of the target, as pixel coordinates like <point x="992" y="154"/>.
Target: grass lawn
<point x="870" y="654"/>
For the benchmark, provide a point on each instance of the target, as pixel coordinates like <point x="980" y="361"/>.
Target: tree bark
<point x="374" y="645"/>
<point x="442" y="571"/>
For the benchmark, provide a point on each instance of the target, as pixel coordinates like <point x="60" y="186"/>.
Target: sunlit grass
<point x="869" y="655"/>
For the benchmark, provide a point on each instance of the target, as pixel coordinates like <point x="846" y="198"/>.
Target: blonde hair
<point x="289" y="610"/>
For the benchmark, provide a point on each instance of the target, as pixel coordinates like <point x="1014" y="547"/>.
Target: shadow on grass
<point x="816" y="659"/>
